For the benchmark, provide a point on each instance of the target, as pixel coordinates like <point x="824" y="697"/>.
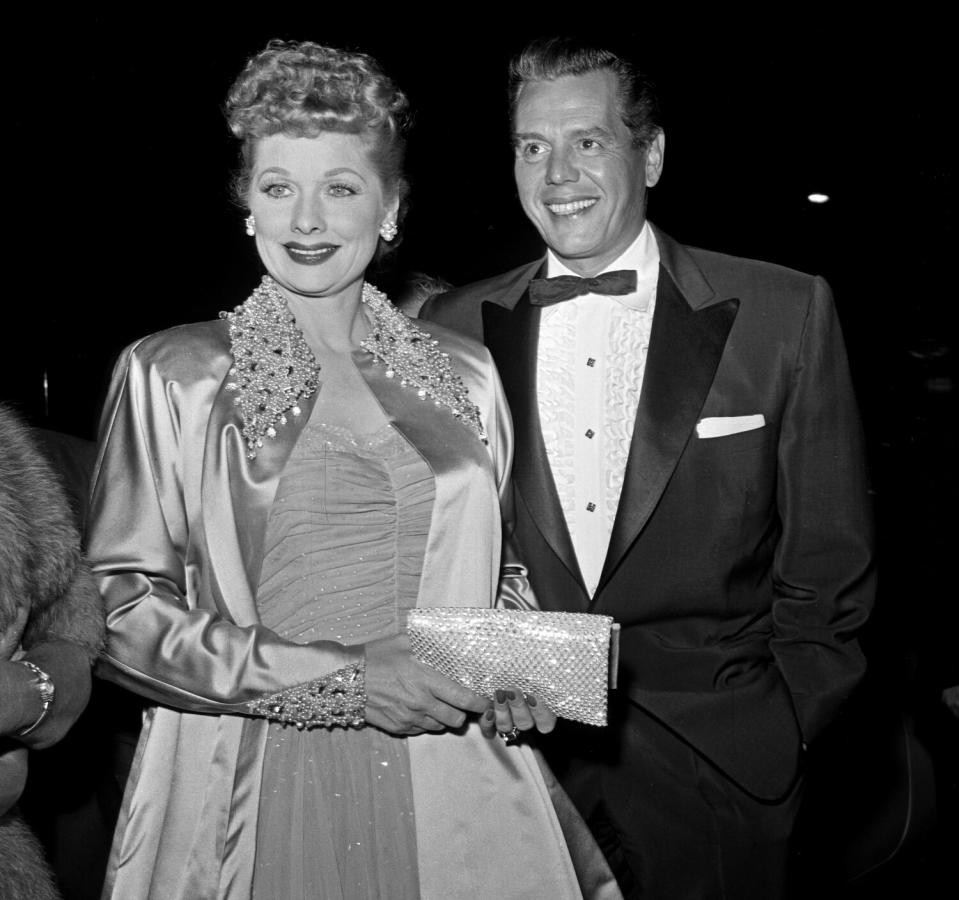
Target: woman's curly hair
<point x="303" y="89"/>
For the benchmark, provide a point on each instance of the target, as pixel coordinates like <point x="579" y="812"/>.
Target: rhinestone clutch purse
<point x="565" y="659"/>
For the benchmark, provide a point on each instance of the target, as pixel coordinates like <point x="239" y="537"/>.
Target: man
<point x="689" y="461"/>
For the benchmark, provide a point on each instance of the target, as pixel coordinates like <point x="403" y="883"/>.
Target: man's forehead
<point x="570" y="103"/>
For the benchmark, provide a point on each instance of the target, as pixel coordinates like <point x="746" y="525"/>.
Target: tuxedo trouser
<point x="671" y="826"/>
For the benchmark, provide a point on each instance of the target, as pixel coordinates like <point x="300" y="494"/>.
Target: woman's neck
<point x="333" y="324"/>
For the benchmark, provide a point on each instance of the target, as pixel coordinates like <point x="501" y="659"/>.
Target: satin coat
<point x="178" y="518"/>
<point x="739" y="567"/>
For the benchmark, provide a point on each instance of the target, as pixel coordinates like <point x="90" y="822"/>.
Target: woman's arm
<point x="510" y="708"/>
<point x="148" y="555"/>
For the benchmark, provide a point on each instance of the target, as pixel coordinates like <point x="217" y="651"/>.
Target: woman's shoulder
<point x="457" y="344"/>
<point x="182" y="352"/>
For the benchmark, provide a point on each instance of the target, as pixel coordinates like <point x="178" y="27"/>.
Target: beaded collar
<point x="274" y="368"/>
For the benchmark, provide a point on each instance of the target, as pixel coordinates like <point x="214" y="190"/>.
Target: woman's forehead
<point x="307" y="151"/>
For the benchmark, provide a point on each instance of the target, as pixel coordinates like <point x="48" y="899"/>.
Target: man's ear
<point x="654" y="158"/>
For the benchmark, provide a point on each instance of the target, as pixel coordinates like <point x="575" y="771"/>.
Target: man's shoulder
<point x="729" y="274"/>
<point x="461" y="308"/>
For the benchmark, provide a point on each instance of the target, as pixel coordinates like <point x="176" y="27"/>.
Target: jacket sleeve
<point x="515" y="591"/>
<point x="823" y="576"/>
<point x="166" y="639"/>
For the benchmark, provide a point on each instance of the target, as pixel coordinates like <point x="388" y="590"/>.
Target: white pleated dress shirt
<point x="590" y="365"/>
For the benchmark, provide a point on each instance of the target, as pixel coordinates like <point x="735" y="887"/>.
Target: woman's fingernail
<point x="530" y="700"/>
<point x="489" y="715"/>
<point x="511" y="695"/>
<point x="501" y="696"/>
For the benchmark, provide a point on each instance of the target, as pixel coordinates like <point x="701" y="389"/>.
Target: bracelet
<point x="335" y="699"/>
<point x="47" y="694"/>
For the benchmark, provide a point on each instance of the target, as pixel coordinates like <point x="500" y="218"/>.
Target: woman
<point x="274" y="490"/>
<point x="51" y="628"/>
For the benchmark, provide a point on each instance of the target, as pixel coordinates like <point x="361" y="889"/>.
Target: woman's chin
<point x="316" y="285"/>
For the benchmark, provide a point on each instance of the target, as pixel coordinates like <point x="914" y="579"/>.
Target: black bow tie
<point x="547" y="291"/>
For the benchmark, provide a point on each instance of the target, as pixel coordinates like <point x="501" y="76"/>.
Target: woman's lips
<point x="306" y="255"/>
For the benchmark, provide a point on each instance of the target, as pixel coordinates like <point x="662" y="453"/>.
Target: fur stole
<point x="40" y="561"/>
<point x="40" y="567"/>
<point x="23" y="873"/>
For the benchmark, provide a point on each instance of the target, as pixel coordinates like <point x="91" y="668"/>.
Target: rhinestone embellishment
<point x="274" y="369"/>
<point x="410" y="354"/>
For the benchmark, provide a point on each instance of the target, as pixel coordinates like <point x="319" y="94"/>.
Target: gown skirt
<point x="345" y="542"/>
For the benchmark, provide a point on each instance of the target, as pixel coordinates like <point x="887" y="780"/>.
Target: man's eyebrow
<point x="527" y="136"/>
<point x="593" y="132"/>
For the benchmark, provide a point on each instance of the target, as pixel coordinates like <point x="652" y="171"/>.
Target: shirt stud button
<point x="591" y="362"/>
<point x="590" y="507"/>
<point x="590" y="433"/>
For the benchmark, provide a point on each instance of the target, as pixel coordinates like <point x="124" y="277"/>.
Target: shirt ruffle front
<point x="557" y="401"/>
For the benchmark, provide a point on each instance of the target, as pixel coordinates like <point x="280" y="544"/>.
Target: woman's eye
<point x="276" y="190"/>
<point x="342" y="190"/>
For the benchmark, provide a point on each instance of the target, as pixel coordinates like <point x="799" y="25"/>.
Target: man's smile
<point x="570" y="207"/>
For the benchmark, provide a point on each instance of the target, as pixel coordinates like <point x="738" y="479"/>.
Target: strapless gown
<point x="344" y="548"/>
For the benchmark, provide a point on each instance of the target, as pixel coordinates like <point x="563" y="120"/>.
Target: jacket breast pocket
<point x="735" y="478"/>
<point x="737" y="441"/>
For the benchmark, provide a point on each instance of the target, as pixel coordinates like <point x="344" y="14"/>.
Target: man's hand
<point x="403" y="696"/>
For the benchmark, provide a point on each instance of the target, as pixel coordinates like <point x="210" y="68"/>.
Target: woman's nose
<point x="308" y="216"/>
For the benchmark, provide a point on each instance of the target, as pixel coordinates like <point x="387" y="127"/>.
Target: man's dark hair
<point x="546" y="59"/>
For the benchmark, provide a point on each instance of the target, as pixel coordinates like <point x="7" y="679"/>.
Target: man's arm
<point x="824" y="575"/>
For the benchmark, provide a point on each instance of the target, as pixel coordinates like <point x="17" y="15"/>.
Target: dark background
<point x="119" y="210"/>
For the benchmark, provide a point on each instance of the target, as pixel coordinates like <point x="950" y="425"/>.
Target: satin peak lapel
<point x="237" y="495"/>
<point x="685" y="348"/>
<point x="512" y="337"/>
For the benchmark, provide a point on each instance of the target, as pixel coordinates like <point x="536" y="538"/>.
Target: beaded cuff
<point x="335" y="699"/>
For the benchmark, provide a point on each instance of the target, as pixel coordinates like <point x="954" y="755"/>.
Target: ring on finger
<point x="509" y="737"/>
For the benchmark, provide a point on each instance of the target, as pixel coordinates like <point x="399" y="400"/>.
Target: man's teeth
<point x="567" y="209"/>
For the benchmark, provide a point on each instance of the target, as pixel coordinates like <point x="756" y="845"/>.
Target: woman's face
<point x="319" y="205"/>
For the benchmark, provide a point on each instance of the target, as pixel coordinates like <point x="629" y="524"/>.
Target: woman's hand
<point x="11" y="635"/>
<point x="403" y="696"/>
<point x="514" y="709"/>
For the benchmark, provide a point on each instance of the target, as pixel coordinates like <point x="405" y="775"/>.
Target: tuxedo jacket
<point x="740" y="565"/>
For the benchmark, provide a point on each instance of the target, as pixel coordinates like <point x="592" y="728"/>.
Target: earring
<point x="250" y="223"/>
<point x="388" y="230"/>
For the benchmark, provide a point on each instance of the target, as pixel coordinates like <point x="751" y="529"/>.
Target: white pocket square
<point x="720" y="426"/>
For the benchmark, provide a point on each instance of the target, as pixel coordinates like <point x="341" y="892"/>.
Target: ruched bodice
<point x="343" y="555"/>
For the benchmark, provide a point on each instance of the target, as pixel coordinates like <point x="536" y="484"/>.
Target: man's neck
<point x="634" y="256"/>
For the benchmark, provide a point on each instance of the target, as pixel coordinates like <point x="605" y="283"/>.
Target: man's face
<point x="580" y="179"/>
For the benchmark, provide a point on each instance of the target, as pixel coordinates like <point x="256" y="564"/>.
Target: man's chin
<point x="568" y="242"/>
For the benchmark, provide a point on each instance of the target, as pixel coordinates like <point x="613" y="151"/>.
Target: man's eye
<point x="589" y="144"/>
<point x="532" y="150"/>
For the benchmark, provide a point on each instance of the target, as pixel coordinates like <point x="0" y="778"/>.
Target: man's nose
<point x="308" y="216"/>
<point x="561" y="168"/>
